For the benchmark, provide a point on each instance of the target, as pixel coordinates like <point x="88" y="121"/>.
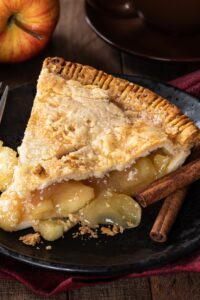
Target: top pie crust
<point x="85" y="123"/>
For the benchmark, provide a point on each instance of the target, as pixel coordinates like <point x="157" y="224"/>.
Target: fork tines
<point x="3" y="101"/>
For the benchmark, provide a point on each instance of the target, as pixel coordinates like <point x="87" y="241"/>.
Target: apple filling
<point x="96" y="201"/>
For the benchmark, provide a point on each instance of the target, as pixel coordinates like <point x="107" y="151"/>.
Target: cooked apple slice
<point x="50" y="230"/>
<point x="112" y="208"/>
<point x="43" y="209"/>
<point x="161" y="163"/>
<point x="8" y="161"/>
<point x="134" y="178"/>
<point x="69" y="197"/>
<point x="10" y="211"/>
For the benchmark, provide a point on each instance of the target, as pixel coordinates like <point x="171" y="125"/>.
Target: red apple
<point x="25" y="27"/>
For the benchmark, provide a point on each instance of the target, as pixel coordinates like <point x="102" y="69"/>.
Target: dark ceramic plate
<point x="132" y="251"/>
<point x="134" y="36"/>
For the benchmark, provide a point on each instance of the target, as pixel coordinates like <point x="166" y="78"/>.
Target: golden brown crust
<point x="131" y="96"/>
<point x="30" y="239"/>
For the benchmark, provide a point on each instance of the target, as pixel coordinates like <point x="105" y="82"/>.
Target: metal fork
<point x="3" y="101"/>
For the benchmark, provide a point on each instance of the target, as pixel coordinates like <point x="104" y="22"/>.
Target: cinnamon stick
<point x="170" y="208"/>
<point x="167" y="215"/>
<point x="168" y="184"/>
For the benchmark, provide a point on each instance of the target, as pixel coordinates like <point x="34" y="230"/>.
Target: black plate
<point x="132" y="251"/>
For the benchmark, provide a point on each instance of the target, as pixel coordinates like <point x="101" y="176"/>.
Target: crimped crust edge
<point x="130" y="96"/>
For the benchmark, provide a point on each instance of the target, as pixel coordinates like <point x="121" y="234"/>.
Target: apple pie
<point x="91" y="142"/>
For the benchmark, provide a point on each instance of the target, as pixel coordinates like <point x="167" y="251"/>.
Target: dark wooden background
<point x="74" y="40"/>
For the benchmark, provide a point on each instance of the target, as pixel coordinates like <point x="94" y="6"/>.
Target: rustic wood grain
<point x="183" y="286"/>
<point x="74" y="40"/>
<point x="127" y="289"/>
<point x="13" y="290"/>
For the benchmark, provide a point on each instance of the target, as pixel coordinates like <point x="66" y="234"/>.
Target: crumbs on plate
<point x="30" y="239"/>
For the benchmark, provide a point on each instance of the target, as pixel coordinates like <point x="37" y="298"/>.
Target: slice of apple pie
<point x="91" y="142"/>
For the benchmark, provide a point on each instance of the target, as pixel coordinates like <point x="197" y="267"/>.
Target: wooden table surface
<point x="74" y="40"/>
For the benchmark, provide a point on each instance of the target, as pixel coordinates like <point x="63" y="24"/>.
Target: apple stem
<point x="34" y="34"/>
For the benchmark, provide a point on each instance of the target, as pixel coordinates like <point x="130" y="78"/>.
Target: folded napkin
<point x="48" y="283"/>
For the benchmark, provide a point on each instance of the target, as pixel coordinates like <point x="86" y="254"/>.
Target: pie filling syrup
<point x="96" y="201"/>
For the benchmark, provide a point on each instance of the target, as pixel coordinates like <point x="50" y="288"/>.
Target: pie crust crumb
<point x="112" y="231"/>
<point x="30" y="239"/>
<point x="48" y="247"/>
<point x="87" y="230"/>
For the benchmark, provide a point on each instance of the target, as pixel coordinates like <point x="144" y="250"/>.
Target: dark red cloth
<point x="190" y="83"/>
<point x="48" y="283"/>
